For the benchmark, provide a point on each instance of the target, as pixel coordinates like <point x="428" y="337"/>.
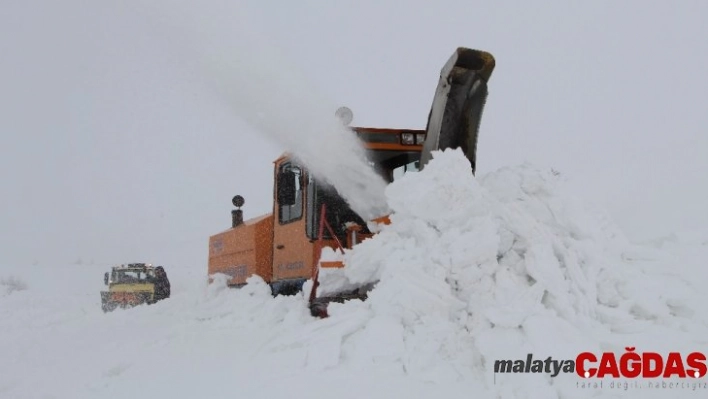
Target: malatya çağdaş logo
<point x="630" y="364"/>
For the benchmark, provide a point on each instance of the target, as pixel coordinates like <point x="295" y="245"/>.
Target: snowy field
<point x="471" y="271"/>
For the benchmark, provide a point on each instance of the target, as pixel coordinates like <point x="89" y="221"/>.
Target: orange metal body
<point x="242" y="251"/>
<point x="283" y="252"/>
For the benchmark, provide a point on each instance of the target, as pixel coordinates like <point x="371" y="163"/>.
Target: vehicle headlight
<point x="420" y="138"/>
<point x="407" y="138"/>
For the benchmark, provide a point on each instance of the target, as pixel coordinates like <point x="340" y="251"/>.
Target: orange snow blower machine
<point x="284" y="247"/>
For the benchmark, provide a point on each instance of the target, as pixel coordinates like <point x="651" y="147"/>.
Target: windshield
<point x="131" y="275"/>
<point x="393" y="164"/>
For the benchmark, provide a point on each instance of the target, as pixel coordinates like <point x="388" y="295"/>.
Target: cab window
<point x="403" y="169"/>
<point x="290" y="193"/>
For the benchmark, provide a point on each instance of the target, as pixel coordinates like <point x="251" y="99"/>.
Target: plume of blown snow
<point x="260" y="85"/>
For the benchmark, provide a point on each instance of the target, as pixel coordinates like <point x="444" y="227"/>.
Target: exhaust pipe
<point x="237" y="214"/>
<point x="236" y="217"/>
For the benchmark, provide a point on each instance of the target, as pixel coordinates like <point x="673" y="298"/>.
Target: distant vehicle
<point x="133" y="284"/>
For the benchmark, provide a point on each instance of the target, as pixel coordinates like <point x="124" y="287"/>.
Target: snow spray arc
<point x="630" y="364"/>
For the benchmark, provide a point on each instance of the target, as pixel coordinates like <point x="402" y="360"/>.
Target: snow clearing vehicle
<point x="129" y="285"/>
<point x="284" y="247"/>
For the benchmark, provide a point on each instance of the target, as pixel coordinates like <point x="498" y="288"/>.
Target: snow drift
<point x="470" y="271"/>
<point x="475" y="271"/>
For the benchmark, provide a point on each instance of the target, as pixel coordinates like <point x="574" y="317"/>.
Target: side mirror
<point x="286" y="187"/>
<point x="105" y="278"/>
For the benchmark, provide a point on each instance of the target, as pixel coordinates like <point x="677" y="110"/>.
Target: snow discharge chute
<point x="457" y="107"/>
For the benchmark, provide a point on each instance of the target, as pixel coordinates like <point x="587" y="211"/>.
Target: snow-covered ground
<point x="471" y="271"/>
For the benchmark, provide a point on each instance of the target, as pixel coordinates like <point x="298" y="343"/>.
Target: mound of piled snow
<point x="472" y="271"/>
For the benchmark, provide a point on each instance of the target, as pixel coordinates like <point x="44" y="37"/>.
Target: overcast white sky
<point x="114" y="150"/>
